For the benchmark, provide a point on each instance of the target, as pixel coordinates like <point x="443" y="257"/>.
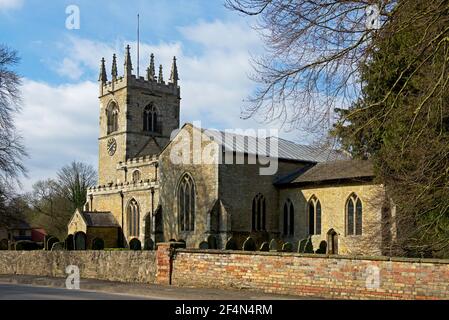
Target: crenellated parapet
<point x="150" y="82"/>
<point x="138" y="162"/>
<point x="123" y="186"/>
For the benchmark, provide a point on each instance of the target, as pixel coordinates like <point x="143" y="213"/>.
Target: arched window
<point x="112" y="117"/>
<point x="150" y="119"/>
<point x="186" y="203"/>
<point x="354" y="215"/>
<point x="289" y="218"/>
<point x="133" y="219"/>
<point x="136" y="176"/>
<point x="258" y="221"/>
<point x="314" y="210"/>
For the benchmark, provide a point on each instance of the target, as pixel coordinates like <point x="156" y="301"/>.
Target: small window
<point x="314" y="210"/>
<point x="258" y="218"/>
<point x="289" y="218"/>
<point x="136" y="176"/>
<point x="112" y="118"/>
<point x="354" y="212"/>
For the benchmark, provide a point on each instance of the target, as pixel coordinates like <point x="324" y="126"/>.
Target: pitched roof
<point x="99" y="219"/>
<point x="286" y="150"/>
<point x="329" y="171"/>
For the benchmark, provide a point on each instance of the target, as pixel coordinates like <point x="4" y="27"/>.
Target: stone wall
<point x="124" y="266"/>
<point x="340" y="277"/>
<point x="313" y="275"/>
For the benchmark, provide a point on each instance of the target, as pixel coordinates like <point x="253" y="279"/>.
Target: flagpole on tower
<point x="138" y="45"/>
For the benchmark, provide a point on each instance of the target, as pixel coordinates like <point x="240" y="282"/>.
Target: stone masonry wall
<point x="340" y="277"/>
<point x="123" y="266"/>
<point x="313" y="275"/>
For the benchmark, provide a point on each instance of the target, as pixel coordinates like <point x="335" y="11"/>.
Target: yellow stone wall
<point x="333" y="206"/>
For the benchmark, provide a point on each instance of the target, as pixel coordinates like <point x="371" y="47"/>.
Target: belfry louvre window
<point x="289" y="218"/>
<point x="151" y="122"/>
<point x="133" y="219"/>
<point x="186" y="203"/>
<point x="112" y="118"/>
<point x="314" y="210"/>
<point x="354" y="215"/>
<point x="258" y="221"/>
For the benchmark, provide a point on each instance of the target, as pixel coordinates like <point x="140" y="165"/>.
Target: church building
<point x="153" y="188"/>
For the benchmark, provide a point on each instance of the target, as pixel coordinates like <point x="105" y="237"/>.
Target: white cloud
<point x="10" y="4"/>
<point x="59" y="124"/>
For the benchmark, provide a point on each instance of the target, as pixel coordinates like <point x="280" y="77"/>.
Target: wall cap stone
<point x="314" y="255"/>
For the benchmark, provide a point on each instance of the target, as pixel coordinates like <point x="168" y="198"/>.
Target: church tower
<point x="137" y="115"/>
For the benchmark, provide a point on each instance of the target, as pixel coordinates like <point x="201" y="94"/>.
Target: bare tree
<point x="12" y="150"/>
<point x="74" y="180"/>
<point x="314" y="50"/>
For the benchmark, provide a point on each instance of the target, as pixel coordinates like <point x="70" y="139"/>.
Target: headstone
<point x="97" y="244"/>
<point x="51" y="241"/>
<point x="302" y="245"/>
<point x="323" y="248"/>
<point x="212" y="242"/>
<point x="69" y="243"/>
<point x="57" y="246"/>
<point x="80" y="241"/>
<point x="231" y="244"/>
<point x="4" y="244"/>
<point x="135" y="245"/>
<point x="287" y="247"/>
<point x="148" y="245"/>
<point x="273" y="245"/>
<point x="249" y="244"/>
<point x="204" y="245"/>
<point x="309" y="246"/>
<point x="265" y="247"/>
<point x="25" y="245"/>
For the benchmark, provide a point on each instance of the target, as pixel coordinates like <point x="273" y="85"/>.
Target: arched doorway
<point x="332" y="240"/>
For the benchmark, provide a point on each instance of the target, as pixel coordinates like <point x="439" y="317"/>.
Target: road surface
<point x="27" y="292"/>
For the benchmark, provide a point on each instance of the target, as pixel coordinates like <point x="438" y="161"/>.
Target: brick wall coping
<point x="314" y="255"/>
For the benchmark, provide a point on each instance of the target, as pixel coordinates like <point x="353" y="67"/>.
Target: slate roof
<point x="99" y="219"/>
<point x="330" y="171"/>
<point x="287" y="150"/>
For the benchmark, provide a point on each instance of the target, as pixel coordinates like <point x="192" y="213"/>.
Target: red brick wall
<point x="312" y="275"/>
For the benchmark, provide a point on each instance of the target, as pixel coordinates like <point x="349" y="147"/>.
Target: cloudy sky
<point x="59" y="120"/>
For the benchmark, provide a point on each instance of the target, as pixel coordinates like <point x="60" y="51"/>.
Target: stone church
<point x="145" y="195"/>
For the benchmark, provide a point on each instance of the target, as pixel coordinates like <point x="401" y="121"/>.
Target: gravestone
<point x="97" y="244"/>
<point x="309" y="246"/>
<point x="322" y="248"/>
<point x="287" y="247"/>
<point x="69" y="243"/>
<point x="80" y="241"/>
<point x="50" y="242"/>
<point x="148" y="245"/>
<point x="231" y="244"/>
<point x="212" y="242"/>
<point x="302" y="245"/>
<point x="265" y="247"/>
<point x="249" y="245"/>
<point x="57" y="246"/>
<point x="135" y="245"/>
<point x="4" y="244"/>
<point x="273" y="245"/>
<point x="204" y="245"/>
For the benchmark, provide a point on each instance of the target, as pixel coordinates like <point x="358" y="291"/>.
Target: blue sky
<point x="59" y="120"/>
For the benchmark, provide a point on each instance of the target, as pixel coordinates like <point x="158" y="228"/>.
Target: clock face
<point x="112" y="146"/>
